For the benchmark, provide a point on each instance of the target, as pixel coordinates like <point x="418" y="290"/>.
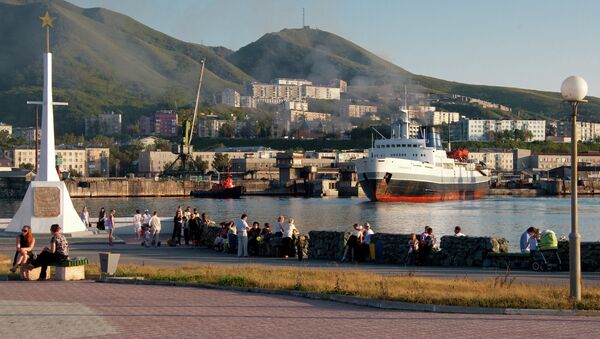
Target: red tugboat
<point x="225" y="189"/>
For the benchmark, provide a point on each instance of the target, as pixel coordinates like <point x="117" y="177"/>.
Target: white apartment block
<point x="247" y="101"/>
<point x="294" y="82"/>
<point x="84" y="161"/>
<point x="321" y="92"/>
<point x="482" y="130"/>
<point x="436" y="118"/>
<point x="6" y="127"/>
<point x="586" y="131"/>
<point x="357" y="111"/>
<point x="231" y="97"/>
<point x="209" y="128"/>
<point x="550" y="161"/>
<point x="295" y="105"/>
<point x="498" y="160"/>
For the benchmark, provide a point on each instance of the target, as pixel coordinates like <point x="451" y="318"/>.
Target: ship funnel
<point x="400" y="127"/>
<point x="432" y="137"/>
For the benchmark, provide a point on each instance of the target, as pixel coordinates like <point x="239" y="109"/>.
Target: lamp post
<point x="573" y="90"/>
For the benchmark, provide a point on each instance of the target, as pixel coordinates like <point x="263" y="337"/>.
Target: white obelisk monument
<point x="47" y="200"/>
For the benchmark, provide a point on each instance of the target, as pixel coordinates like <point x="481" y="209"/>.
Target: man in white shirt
<point x="242" y="227"/>
<point x="155" y="228"/>
<point x="137" y="224"/>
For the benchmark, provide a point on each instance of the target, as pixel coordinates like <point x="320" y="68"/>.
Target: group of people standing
<point x="191" y="223"/>
<point x="359" y="245"/>
<point x="239" y="234"/>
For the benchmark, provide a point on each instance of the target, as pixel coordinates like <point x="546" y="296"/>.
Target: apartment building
<point x="87" y="161"/>
<point x="350" y="110"/>
<point x="103" y="124"/>
<point x="483" y="130"/>
<point x="231" y="97"/>
<point x="499" y="160"/>
<point x="586" y="131"/>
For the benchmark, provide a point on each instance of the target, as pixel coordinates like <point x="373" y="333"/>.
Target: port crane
<point x="187" y="164"/>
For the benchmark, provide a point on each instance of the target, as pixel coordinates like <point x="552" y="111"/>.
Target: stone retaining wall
<point x="327" y="245"/>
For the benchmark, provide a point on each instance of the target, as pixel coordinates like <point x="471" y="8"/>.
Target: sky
<point x="532" y="44"/>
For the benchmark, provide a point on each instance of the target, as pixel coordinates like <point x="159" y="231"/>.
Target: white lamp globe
<point x="574" y="88"/>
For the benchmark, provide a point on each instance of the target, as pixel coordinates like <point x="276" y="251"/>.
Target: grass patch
<point x="503" y="291"/>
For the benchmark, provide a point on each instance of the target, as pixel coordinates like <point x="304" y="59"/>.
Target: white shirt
<point x="155" y="223"/>
<point x="288" y="230"/>
<point x="242" y="227"/>
<point x="459" y="234"/>
<point x="278" y="227"/>
<point x="85" y="217"/>
<point x="146" y="218"/>
<point x="368" y="234"/>
<point x="137" y="220"/>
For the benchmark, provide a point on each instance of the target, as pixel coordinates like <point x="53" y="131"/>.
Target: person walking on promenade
<point x="101" y="219"/>
<point x="524" y="243"/>
<point x="287" y="242"/>
<point x="187" y="216"/>
<point x="24" y="246"/>
<point x="58" y="250"/>
<point x="177" y="225"/>
<point x="110" y="226"/>
<point x="85" y="217"/>
<point x="155" y="228"/>
<point x="138" y="219"/>
<point x="457" y="232"/>
<point x="242" y="227"/>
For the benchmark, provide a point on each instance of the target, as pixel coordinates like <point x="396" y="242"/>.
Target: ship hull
<point x="394" y="179"/>
<point x="225" y="193"/>
<point x="420" y="191"/>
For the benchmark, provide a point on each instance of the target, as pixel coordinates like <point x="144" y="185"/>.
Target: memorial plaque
<point x="46" y="202"/>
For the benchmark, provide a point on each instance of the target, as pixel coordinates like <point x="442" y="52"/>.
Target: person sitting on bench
<point x="58" y="251"/>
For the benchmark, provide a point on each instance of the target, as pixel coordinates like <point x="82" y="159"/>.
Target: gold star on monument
<point x="46" y="20"/>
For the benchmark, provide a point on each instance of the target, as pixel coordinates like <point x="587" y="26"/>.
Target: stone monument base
<point x="44" y="204"/>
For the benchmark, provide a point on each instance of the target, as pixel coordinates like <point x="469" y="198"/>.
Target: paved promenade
<point x="132" y="252"/>
<point x="87" y="309"/>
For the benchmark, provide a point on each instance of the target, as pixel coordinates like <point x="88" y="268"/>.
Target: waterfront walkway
<point x="132" y="252"/>
<point x="78" y="309"/>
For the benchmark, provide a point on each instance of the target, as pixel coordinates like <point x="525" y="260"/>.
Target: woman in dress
<point x="137" y="223"/>
<point x="110" y="226"/>
<point x="25" y="244"/>
<point x="85" y="217"/>
<point x="101" y="219"/>
<point x="177" y="226"/>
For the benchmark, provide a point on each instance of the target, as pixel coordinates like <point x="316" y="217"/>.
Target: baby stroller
<point x="546" y="257"/>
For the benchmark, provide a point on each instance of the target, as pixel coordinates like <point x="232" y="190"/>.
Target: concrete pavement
<point x="88" y="309"/>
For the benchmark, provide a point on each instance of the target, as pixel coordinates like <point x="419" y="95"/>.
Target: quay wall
<point x="143" y="187"/>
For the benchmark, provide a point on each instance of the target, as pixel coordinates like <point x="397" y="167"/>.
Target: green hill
<point x="107" y="61"/>
<point x="102" y="59"/>
<point x="320" y="56"/>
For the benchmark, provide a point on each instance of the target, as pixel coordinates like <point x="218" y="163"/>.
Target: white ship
<point x="418" y="170"/>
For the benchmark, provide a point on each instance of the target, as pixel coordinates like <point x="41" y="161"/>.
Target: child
<point x="147" y="236"/>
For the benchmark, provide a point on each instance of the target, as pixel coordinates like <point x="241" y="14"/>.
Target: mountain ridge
<point x="104" y="60"/>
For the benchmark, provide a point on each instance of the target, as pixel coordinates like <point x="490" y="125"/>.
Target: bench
<point x="71" y="269"/>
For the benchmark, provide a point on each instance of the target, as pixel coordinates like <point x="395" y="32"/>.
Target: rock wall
<point x="470" y="251"/>
<point x="393" y="248"/>
<point x="327" y="245"/>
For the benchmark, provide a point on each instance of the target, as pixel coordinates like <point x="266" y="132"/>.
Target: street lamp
<point x="573" y="90"/>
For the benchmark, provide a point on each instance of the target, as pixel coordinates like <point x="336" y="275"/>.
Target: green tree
<point x="220" y="162"/>
<point x="162" y="144"/>
<point x="227" y="130"/>
<point x="201" y="165"/>
<point x="28" y="166"/>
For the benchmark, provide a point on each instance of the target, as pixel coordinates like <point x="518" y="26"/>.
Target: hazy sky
<point x="529" y="44"/>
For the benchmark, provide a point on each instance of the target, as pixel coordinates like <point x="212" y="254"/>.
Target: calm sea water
<point x="498" y="216"/>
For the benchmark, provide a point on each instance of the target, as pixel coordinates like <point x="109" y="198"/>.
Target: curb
<point x="373" y="303"/>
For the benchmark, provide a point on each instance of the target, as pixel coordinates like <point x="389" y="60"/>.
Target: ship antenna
<point x="376" y="131"/>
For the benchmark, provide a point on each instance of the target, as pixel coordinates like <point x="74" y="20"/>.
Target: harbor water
<point x="504" y="217"/>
